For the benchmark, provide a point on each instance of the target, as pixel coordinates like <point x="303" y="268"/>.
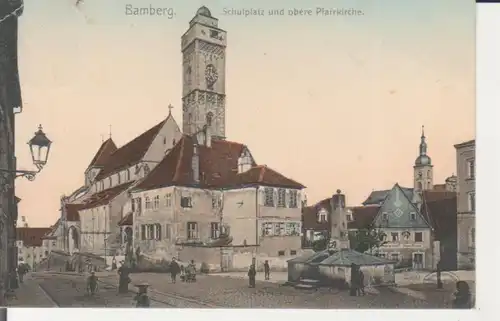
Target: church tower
<point x="203" y="49"/>
<point x="422" y="170"/>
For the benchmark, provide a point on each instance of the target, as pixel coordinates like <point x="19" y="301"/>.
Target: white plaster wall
<point x="163" y="141"/>
<point x="240" y="213"/>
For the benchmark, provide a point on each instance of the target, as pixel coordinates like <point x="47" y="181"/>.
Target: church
<point x="190" y="194"/>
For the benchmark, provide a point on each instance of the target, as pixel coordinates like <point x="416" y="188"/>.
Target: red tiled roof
<point x="72" y="212"/>
<point x="127" y="220"/>
<point x="31" y="236"/>
<point x="310" y="219"/>
<point x="130" y="153"/>
<point x="105" y="196"/>
<point x="363" y="216"/>
<point x="107" y="148"/>
<point x="218" y="168"/>
<point x="441" y="212"/>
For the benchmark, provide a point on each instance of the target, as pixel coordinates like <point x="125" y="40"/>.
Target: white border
<point x="488" y="181"/>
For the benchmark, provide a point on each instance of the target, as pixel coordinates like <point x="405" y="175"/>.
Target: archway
<point x="73" y="239"/>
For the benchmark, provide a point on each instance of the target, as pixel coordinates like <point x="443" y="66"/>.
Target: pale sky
<point x="332" y="102"/>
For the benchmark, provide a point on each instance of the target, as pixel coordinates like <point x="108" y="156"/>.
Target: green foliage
<point x="320" y="245"/>
<point x="367" y="240"/>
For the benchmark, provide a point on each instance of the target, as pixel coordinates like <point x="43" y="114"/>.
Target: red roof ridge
<point x="179" y="159"/>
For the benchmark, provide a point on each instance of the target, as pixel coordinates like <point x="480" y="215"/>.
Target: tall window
<point x="216" y="201"/>
<point x="156" y="202"/>
<point x="472" y="201"/>
<point x="168" y="232"/>
<point x="472" y="237"/>
<point x="471" y="168"/>
<point x="395" y="236"/>
<point x="192" y="230"/>
<point x="281" y="197"/>
<point x="418" y="237"/>
<point x="148" y="203"/>
<point x="157" y="231"/>
<point x="146" y="170"/>
<point x="186" y="202"/>
<point x="168" y="200"/>
<point x="110" y="182"/>
<point x="214" y="230"/>
<point x="127" y="173"/>
<point x="267" y="229"/>
<point x="292" y="202"/>
<point x="119" y="178"/>
<point x="269" y="197"/>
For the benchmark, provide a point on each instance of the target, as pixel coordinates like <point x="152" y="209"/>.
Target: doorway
<point x="418" y="261"/>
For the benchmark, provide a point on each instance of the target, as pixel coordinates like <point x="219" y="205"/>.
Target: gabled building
<point x="207" y="194"/>
<point x="30" y="245"/>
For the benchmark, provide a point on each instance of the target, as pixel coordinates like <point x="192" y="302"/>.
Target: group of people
<point x="252" y="273"/>
<point x="187" y="274"/>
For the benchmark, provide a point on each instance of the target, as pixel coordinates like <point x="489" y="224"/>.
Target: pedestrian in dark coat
<point x="361" y="283"/>
<point x="251" y="276"/>
<point x="124" y="278"/>
<point x="354" y="280"/>
<point x="267" y="270"/>
<point x="92" y="284"/>
<point x="463" y="298"/>
<point x="174" y="270"/>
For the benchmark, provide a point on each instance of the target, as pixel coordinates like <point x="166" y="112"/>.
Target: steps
<point x="307" y="284"/>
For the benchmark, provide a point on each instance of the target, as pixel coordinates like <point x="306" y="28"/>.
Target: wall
<point x="32" y="255"/>
<point x="166" y="139"/>
<point x="466" y="219"/>
<point x="240" y="213"/>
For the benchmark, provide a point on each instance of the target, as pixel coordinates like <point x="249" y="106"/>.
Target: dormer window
<point x="322" y="216"/>
<point x="244" y="161"/>
<point x="146" y="170"/>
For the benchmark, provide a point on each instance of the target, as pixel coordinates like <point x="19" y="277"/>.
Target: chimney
<point x="338" y="221"/>
<point x="195" y="163"/>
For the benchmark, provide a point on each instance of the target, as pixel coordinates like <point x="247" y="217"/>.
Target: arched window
<point x="210" y="116"/>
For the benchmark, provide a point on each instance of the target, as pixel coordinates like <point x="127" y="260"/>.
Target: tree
<point x="320" y="245"/>
<point x="367" y="240"/>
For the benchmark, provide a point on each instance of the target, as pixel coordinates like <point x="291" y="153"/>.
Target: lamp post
<point x="39" y="147"/>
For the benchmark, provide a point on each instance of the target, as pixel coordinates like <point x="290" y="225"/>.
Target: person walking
<point x="92" y="284"/>
<point x="124" y="278"/>
<point x="21" y="271"/>
<point x="174" y="270"/>
<point x="251" y="276"/>
<point x="267" y="270"/>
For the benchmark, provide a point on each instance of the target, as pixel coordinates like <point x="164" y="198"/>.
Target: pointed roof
<point x="218" y="167"/>
<point x="377" y="197"/>
<point x="107" y="148"/>
<point x="130" y="153"/>
<point x="363" y="216"/>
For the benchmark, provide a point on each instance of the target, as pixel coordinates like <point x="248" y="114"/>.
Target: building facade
<point x="466" y="203"/>
<point x="30" y="245"/>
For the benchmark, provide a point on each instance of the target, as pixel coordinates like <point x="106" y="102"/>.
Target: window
<point x="119" y="178"/>
<point x="472" y="237"/>
<point x="216" y="201"/>
<point x="267" y="229"/>
<point x="110" y="182"/>
<point x="136" y="205"/>
<point x="168" y="234"/>
<point x="168" y="200"/>
<point x="156" y="202"/>
<point x="146" y="170"/>
<point x="406" y="235"/>
<point x="293" y="252"/>
<point x="418" y="237"/>
<point x="382" y="237"/>
<point x="53" y="243"/>
<point x="395" y="256"/>
<point x="472" y="201"/>
<point x="322" y="216"/>
<point x="413" y="216"/>
<point x="148" y="203"/>
<point x="214" y="230"/>
<point x="269" y="197"/>
<point x="471" y="169"/>
<point x="395" y="237"/>
<point x="214" y="34"/>
<point x="281" y="253"/>
<point x="385" y="216"/>
<point x="101" y="185"/>
<point x="127" y="173"/>
<point x="157" y="231"/>
<point x="349" y="217"/>
<point x="186" y="202"/>
<point x="292" y="202"/>
<point x="192" y="230"/>
<point x="281" y="197"/>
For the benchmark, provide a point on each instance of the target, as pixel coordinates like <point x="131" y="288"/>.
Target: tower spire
<point x="423" y="144"/>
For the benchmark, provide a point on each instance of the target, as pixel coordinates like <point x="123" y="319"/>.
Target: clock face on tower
<point x="211" y="75"/>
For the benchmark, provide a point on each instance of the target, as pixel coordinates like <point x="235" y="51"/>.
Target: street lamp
<point x="39" y="148"/>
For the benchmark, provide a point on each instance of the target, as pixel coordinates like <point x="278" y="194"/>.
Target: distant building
<point x="466" y="203"/>
<point x="30" y="245"/>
